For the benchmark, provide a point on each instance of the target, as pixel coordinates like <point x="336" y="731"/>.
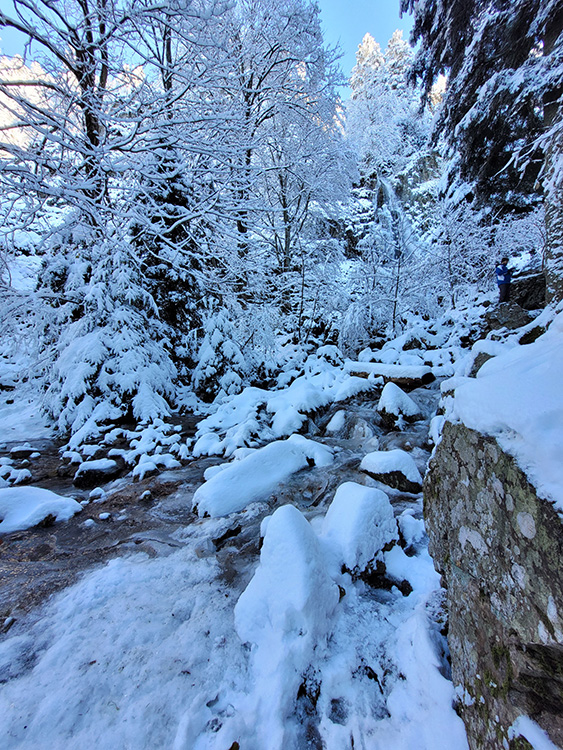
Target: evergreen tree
<point x="502" y="111"/>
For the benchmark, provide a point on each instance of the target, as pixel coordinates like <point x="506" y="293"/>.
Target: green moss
<point x="520" y="743"/>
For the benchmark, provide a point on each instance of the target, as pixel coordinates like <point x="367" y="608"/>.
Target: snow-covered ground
<point x="146" y="653"/>
<point x="301" y="648"/>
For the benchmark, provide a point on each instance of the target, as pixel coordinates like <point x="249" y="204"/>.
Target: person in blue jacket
<point x="504" y="275"/>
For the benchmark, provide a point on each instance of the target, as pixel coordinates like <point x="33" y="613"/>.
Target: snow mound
<point x="257" y="475"/>
<point x="291" y="595"/>
<point x="359" y="523"/>
<point x="384" y="462"/>
<point x="285" y="612"/>
<point x="25" y="507"/>
<point x="395" y="401"/>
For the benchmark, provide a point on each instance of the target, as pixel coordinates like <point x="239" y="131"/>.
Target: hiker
<point x="503" y="274"/>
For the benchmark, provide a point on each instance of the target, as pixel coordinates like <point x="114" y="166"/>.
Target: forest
<point x="207" y="252"/>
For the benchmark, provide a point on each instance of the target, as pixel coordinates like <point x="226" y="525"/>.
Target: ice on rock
<point x="257" y="475"/>
<point x="358" y="525"/>
<point x="25" y="507"/>
<point x="286" y="613"/>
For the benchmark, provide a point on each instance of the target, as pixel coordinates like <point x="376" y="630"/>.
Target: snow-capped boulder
<point x="285" y="613"/>
<point x="395" y="407"/>
<point x="395" y="468"/>
<point x="256" y="476"/>
<point x="358" y="526"/>
<point x="92" y="473"/>
<point x="21" y="451"/>
<point x="25" y="507"/>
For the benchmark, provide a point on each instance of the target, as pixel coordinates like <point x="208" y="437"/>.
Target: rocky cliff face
<point x="499" y="548"/>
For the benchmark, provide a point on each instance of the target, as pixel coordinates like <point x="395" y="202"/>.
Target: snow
<point x="411" y="528"/>
<point x="257" y="475"/>
<point x="384" y="462"/>
<point x="525" y="727"/>
<point x="285" y="612"/>
<point x="22" y="419"/>
<point x="256" y="414"/>
<point x="25" y="507"/>
<point x="102" y="465"/>
<point x="337" y="422"/>
<point x="413" y="372"/>
<point x="358" y="525"/>
<point x="516" y="398"/>
<point x="395" y="401"/>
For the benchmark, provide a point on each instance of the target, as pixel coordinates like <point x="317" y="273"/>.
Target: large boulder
<point x="507" y="315"/>
<point x="529" y="291"/>
<point x="499" y="549"/>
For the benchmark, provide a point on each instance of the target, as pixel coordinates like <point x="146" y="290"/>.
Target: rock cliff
<point x="499" y="549"/>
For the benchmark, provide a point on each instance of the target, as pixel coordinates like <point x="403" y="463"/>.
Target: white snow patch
<point x="358" y="524"/>
<point x="25" y="507"/>
<point x="525" y="727"/>
<point x="257" y="475"/>
<point x="337" y="422"/>
<point x="383" y="462"/>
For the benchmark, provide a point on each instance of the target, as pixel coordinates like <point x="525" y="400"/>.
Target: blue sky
<point x="346" y="21"/>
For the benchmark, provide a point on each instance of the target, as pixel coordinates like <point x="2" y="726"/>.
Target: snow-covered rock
<point x="516" y="397"/>
<point x="25" y="507"/>
<point x="285" y="612"/>
<point x="396" y="468"/>
<point x="358" y="525"/>
<point x="395" y="406"/>
<point x="90" y="473"/>
<point x="407" y="376"/>
<point x="256" y="476"/>
<point x="21" y="451"/>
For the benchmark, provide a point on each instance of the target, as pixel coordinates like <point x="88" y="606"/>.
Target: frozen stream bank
<point x="191" y="637"/>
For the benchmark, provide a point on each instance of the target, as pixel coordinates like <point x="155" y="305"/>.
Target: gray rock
<point x="507" y="315"/>
<point x="478" y="362"/>
<point x="499" y="549"/>
<point x="396" y="480"/>
<point x="529" y="291"/>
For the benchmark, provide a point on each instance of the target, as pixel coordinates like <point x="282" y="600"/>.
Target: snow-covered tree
<point x="384" y="122"/>
<point x="502" y="110"/>
<point x="221" y="364"/>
